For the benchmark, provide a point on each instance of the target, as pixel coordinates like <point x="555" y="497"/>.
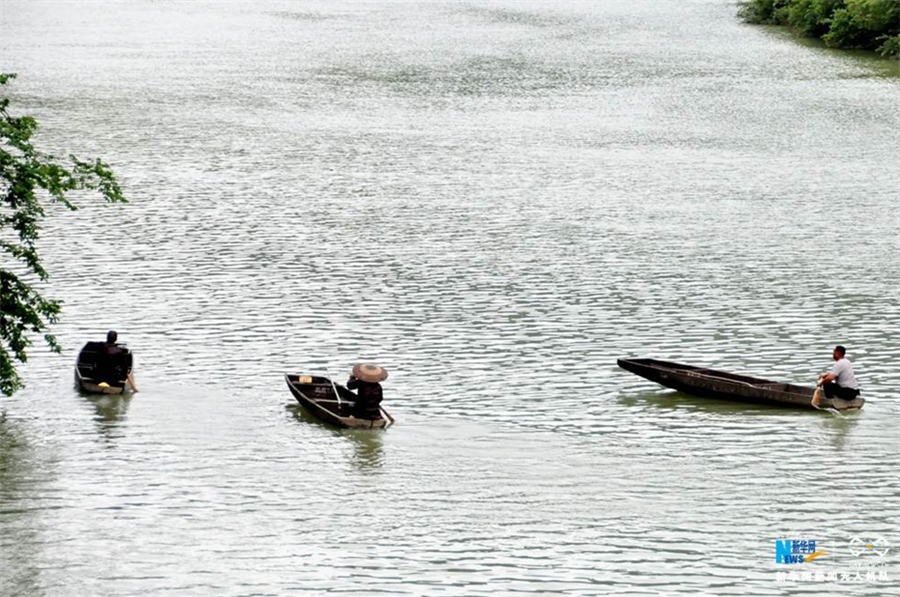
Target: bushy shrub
<point x="863" y="24"/>
<point x="760" y="12"/>
<point x="843" y="32"/>
<point x="868" y="24"/>
<point x="875" y="15"/>
<point x="810" y="18"/>
<point x="891" y="46"/>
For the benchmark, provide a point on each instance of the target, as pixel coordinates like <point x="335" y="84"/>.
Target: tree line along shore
<point x="857" y="24"/>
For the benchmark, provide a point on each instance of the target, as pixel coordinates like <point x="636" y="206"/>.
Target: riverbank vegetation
<point x="30" y="179"/>
<point x="862" y="24"/>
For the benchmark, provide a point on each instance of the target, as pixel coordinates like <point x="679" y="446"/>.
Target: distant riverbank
<point x="857" y="24"/>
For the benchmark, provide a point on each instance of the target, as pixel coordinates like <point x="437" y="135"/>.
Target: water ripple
<point x="495" y="202"/>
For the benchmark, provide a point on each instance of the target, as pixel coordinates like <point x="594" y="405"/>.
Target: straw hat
<point x="369" y="372"/>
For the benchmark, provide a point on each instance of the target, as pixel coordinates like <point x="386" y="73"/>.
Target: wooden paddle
<point x="336" y="393"/>
<point x="817" y="395"/>
<point x="130" y="379"/>
<point x="817" y="398"/>
<point x="387" y="414"/>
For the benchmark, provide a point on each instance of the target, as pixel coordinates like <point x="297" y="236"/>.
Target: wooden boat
<point x="97" y="372"/>
<point x="709" y="383"/>
<point x="316" y="395"/>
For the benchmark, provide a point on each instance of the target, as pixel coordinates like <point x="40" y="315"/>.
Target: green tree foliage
<point x="865" y="24"/>
<point x="760" y="12"/>
<point x="29" y="179"/>
<point x="810" y="17"/>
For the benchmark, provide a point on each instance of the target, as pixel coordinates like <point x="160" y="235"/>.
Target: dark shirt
<point x="116" y="365"/>
<point x="368" y="397"/>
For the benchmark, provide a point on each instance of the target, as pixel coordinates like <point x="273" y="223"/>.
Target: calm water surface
<point x="495" y="201"/>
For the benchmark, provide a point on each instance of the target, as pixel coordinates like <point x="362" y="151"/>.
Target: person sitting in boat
<point x="841" y="382"/>
<point x="118" y="357"/>
<point x="365" y="379"/>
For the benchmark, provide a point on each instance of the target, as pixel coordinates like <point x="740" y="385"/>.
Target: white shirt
<point x="843" y="375"/>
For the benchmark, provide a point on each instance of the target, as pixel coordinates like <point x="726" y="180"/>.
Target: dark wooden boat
<point x="316" y="395"/>
<point x="97" y="372"/>
<point x="709" y="383"/>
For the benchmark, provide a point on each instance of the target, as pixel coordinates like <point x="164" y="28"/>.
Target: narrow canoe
<point x="709" y="383"/>
<point x="316" y="395"/>
<point x="94" y="367"/>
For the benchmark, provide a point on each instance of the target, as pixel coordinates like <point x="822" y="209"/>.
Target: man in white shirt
<point x="841" y="382"/>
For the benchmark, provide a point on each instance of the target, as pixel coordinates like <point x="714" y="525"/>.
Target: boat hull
<point x="90" y="387"/>
<point x="98" y="373"/>
<point x="316" y="395"/>
<point x="709" y="383"/>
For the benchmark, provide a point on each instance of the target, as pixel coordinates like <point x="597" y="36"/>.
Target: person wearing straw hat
<point x="365" y="379"/>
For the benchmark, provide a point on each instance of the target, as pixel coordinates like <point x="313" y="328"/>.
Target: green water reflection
<point x="22" y="478"/>
<point x="367" y="445"/>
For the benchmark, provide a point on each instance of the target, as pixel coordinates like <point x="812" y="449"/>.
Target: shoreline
<point x="869" y="26"/>
<point x="869" y="59"/>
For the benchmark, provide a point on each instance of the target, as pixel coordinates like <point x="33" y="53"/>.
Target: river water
<point x="495" y="202"/>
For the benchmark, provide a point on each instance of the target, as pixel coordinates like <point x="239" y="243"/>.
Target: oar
<point x="387" y="414"/>
<point x="336" y="393"/>
<point x="817" y="397"/>
<point x="130" y="379"/>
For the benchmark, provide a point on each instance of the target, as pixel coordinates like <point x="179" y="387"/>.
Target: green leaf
<point x="28" y="179"/>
